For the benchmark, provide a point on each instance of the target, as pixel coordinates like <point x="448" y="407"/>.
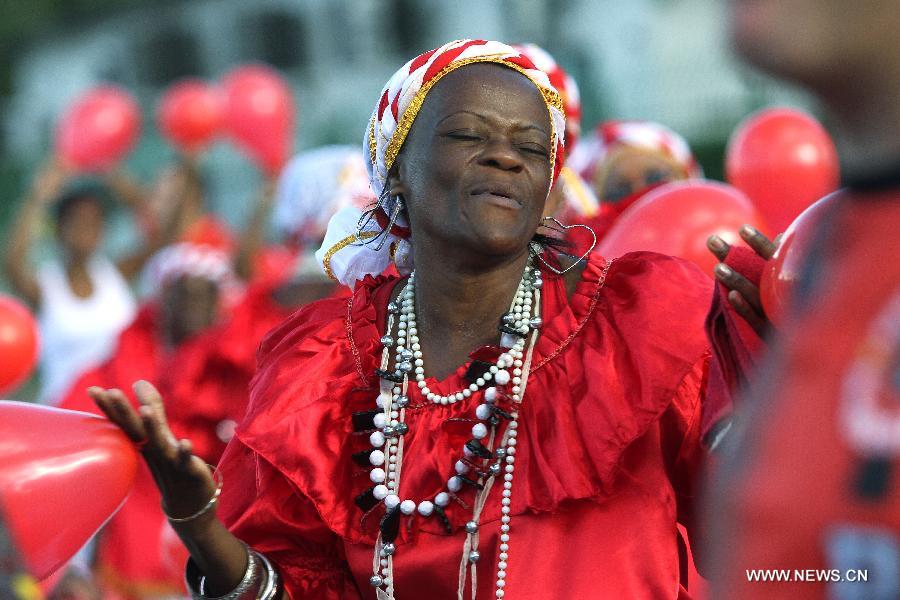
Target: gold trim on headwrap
<point x="326" y="260"/>
<point x="551" y="99"/>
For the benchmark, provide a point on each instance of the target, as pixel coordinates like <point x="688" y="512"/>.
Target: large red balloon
<point x="784" y="160"/>
<point x="678" y="217"/>
<point x="260" y="114"/>
<point x="191" y="113"/>
<point x="18" y="344"/>
<point x="783" y="270"/>
<point x="63" y="474"/>
<point x="99" y="129"/>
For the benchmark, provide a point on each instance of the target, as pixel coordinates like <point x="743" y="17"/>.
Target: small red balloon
<point x="63" y="475"/>
<point x="782" y="271"/>
<point x="678" y="217"/>
<point x="191" y="113"/>
<point x="784" y="160"/>
<point x="99" y="129"/>
<point x="18" y="343"/>
<point x="260" y="115"/>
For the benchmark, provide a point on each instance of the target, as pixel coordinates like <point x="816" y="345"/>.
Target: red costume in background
<point x="608" y="448"/>
<point x="818" y="487"/>
<point x="204" y="382"/>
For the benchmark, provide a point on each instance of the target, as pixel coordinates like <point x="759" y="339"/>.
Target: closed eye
<point x="535" y="149"/>
<point x="463" y="135"/>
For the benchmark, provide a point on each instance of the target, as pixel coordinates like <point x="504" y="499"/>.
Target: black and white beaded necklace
<point x="485" y="458"/>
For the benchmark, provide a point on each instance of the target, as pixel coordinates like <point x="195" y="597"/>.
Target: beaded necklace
<point x="503" y="381"/>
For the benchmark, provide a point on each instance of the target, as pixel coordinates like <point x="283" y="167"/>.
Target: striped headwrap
<point x="580" y="200"/>
<point x="590" y="157"/>
<point x="564" y="84"/>
<point x="343" y="256"/>
<point x="187" y="259"/>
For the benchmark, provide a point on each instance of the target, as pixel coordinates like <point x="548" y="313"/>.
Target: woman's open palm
<point x="183" y="479"/>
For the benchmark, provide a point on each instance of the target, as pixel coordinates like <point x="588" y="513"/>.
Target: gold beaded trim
<point x="551" y="98"/>
<point x="326" y="261"/>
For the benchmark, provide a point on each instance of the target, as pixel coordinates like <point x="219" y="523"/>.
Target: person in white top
<point x="82" y="299"/>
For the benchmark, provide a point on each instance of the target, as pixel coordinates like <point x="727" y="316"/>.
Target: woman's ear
<point x="395" y="184"/>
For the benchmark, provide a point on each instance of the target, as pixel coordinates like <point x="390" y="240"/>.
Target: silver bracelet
<point x="249" y="587"/>
<point x="270" y="589"/>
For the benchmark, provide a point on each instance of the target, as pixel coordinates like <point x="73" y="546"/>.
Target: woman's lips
<point x="498" y="195"/>
<point x="497" y="200"/>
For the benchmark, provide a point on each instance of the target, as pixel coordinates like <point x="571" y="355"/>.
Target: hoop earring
<point x="380" y="238"/>
<point x="557" y="226"/>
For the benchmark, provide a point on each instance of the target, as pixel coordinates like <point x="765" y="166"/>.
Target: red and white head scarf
<point x="590" y="156"/>
<point x="194" y="260"/>
<point x="564" y="84"/>
<point x="580" y="200"/>
<point x="342" y="256"/>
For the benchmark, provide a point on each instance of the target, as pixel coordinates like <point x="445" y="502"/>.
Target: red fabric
<point x="735" y="344"/>
<point x="791" y="495"/>
<point x="609" y="443"/>
<point x="204" y="384"/>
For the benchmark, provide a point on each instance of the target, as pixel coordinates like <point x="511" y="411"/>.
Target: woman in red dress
<point x="499" y="421"/>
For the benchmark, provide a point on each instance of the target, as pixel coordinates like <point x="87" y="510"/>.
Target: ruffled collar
<point x="318" y="369"/>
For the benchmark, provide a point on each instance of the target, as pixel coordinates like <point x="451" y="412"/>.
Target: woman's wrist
<point x="259" y="581"/>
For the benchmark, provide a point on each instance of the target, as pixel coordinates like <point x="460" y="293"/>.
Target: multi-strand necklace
<point x="484" y="459"/>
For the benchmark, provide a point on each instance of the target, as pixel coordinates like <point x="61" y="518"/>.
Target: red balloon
<point x="678" y="217"/>
<point x="99" y="129"/>
<point x="784" y="160"/>
<point x="782" y="272"/>
<point x="260" y="114"/>
<point x="18" y="344"/>
<point x="191" y="113"/>
<point x="63" y="475"/>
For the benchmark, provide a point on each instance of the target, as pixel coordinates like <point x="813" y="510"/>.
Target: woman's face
<point x="190" y="304"/>
<point x="629" y="170"/>
<point x="475" y="167"/>
<point x="80" y="230"/>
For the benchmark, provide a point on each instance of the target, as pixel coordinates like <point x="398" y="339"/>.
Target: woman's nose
<point x="500" y="153"/>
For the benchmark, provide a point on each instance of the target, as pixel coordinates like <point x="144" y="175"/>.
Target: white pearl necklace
<point x="516" y="325"/>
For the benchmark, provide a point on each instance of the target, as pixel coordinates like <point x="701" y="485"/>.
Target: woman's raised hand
<point x="183" y="479"/>
<point x="743" y="294"/>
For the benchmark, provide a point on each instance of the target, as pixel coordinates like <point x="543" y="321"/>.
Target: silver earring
<point x="380" y="238"/>
<point x="554" y="224"/>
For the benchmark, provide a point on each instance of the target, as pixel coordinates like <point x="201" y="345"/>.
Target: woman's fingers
<point x="737" y="282"/>
<point x="149" y="396"/>
<point x="759" y="242"/>
<point x="743" y="308"/>
<point x="743" y="295"/>
<point x="161" y="441"/>
<point x="116" y="407"/>
<point x="718" y="247"/>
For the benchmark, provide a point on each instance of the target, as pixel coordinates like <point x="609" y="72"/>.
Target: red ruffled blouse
<point x="609" y="444"/>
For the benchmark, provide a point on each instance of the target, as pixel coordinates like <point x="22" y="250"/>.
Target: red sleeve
<point x="682" y="441"/>
<point x="681" y="436"/>
<point x="261" y="507"/>
<point x="735" y="347"/>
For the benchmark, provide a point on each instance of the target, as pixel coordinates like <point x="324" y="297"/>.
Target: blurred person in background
<point x="183" y="339"/>
<point x="81" y="297"/>
<point x="285" y="276"/>
<point x="809" y="477"/>
<point x="623" y="160"/>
